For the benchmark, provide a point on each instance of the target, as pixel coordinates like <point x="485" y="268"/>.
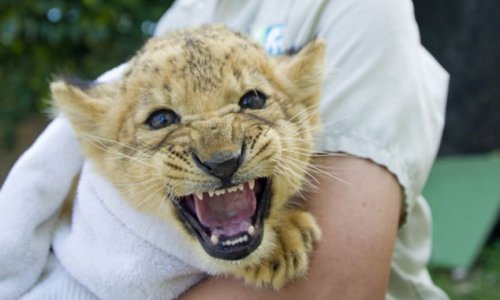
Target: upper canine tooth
<point x="199" y="195"/>
<point x="240" y="187"/>
<point x="211" y="193"/>
<point x="251" y="184"/>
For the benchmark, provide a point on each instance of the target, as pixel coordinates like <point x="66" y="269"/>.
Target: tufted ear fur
<point x="305" y="71"/>
<point x="85" y="105"/>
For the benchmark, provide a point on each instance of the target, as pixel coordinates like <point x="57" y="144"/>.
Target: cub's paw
<point x="289" y="259"/>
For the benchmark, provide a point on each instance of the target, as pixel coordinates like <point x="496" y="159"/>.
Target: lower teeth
<point x="250" y="231"/>
<point x="235" y="241"/>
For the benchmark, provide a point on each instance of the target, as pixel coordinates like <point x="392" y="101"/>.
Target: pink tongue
<point x="228" y="214"/>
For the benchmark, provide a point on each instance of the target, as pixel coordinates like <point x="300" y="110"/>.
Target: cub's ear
<point x="85" y="105"/>
<point x="305" y="71"/>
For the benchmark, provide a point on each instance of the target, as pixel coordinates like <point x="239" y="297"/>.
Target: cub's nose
<point x="221" y="165"/>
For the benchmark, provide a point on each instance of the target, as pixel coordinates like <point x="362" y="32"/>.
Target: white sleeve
<point x="384" y="96"/>
<point x="30" y="201"/>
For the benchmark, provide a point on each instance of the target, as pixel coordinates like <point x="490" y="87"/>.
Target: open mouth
<point x="228" y="222"/>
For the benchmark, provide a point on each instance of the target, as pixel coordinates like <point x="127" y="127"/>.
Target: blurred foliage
<point x="39" y="39"/>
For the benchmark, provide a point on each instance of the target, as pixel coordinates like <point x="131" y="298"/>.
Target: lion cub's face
<point x="205" y="131"/>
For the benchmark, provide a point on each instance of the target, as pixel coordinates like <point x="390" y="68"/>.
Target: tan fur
<point x="201" y="74"/>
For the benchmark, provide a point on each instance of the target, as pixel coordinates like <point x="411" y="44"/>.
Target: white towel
<point x="111" y="250"/>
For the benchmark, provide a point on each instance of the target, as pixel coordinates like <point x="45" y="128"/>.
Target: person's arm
<point x="359" y="221"/>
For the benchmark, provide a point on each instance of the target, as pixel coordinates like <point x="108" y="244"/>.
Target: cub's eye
<point x="253" y="100"/>
<point x="162" y="118"/>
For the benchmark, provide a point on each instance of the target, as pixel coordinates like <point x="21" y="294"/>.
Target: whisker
<point x="103" y="139"/>
<point x="289" y="168"/>
<point x="120" y="154"/>
<point x="138" y="183"/>
<point x="282" y="171"/>
<point x="158" y="188"/>
<point x="304" y="114"/>
<point x="135" y="192"/>
<point x="321" y="171"/>
<point x="302" y="167"/>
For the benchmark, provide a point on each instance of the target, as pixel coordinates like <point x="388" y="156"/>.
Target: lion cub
<point x="225" y="131"/>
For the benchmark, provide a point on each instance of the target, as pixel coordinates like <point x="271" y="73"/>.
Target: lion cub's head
<point x="205" y="131"/>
